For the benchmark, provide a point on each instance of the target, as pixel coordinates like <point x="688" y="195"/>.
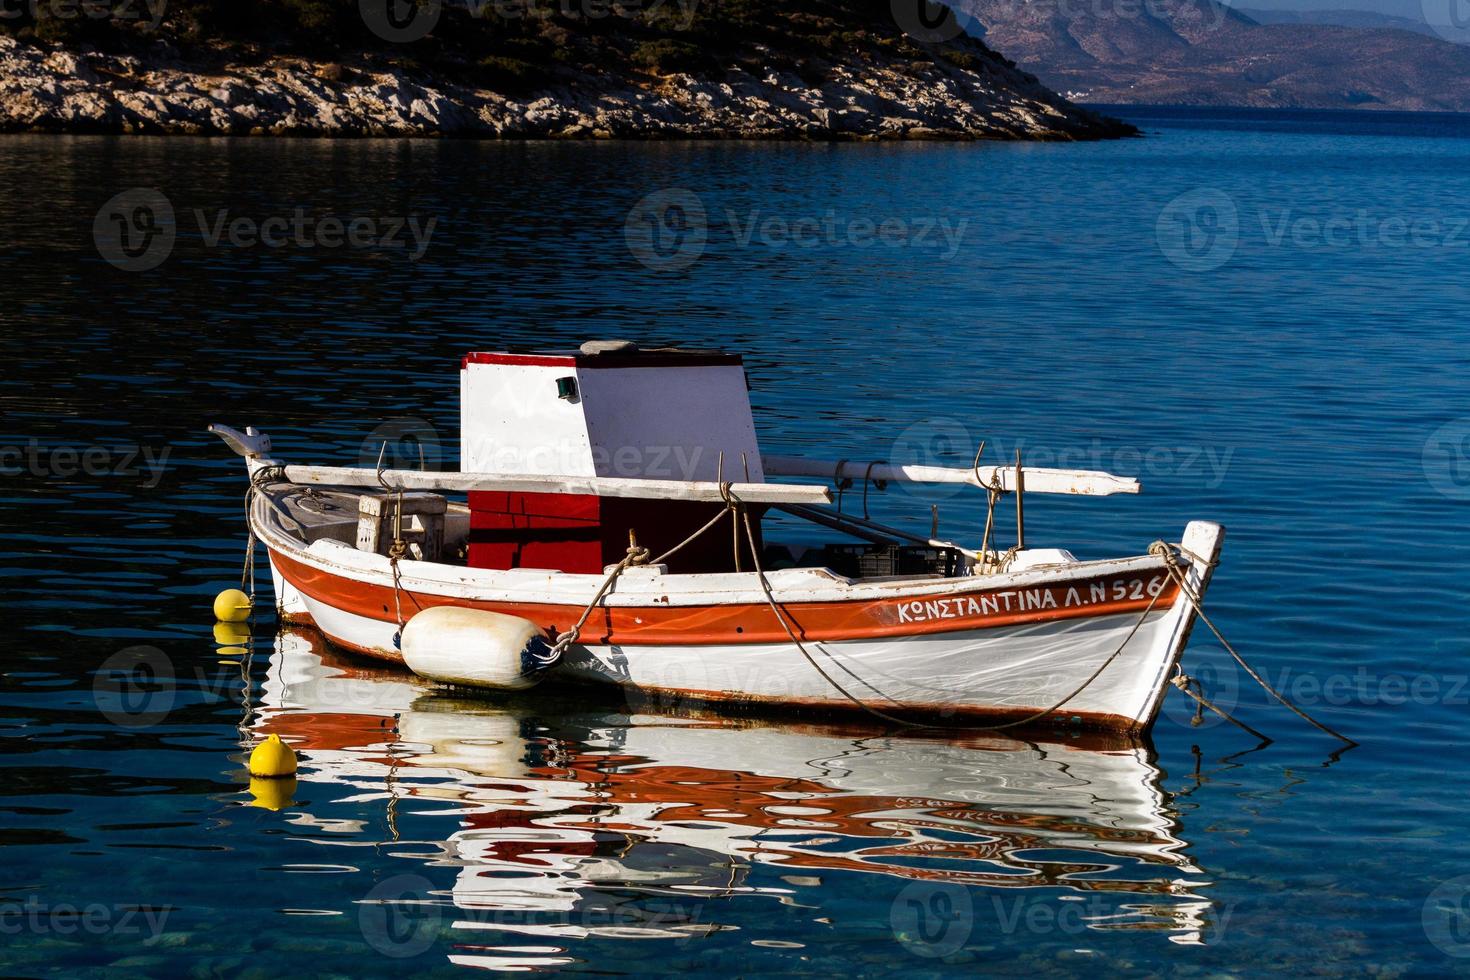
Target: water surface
<point x="1259" y="317"/>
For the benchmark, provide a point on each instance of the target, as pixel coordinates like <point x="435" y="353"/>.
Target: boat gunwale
<point x="729" y="618"/>
<point x="646" y="586"/>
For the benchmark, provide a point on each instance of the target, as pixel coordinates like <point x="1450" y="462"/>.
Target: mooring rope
<point x="258" y="480"/>
<point x="1171" y="563"/>
<point x="639" y="556"/>
<point x="1182" y="681"/>
<point x="868" y="479"/>
<point x="397" y="551"/>
<point x="782" y="619"/>
<point x="635" y="556"/>
<point x="760" y="574"/>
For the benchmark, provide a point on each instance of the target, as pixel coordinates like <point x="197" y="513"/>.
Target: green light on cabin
<point x="566" y="388"/>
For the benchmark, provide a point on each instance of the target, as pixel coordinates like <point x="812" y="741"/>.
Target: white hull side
<point x="1025" y="667"/>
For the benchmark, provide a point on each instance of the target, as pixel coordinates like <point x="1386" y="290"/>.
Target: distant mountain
<point x="1355" y="18"/>
<point x="1197" y="52"/>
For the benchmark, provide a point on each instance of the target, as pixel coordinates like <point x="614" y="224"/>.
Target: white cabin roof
<point x="664" y="414"/>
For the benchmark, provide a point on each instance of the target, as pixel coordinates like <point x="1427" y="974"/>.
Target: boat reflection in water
<point x="562" y="811"/>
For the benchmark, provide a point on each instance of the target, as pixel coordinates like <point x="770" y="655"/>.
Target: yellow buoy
<point x="272" y="794"/>
<point x="232" y="606"/>
<point x="231" y="634"/>
<point x="272" y="759"/>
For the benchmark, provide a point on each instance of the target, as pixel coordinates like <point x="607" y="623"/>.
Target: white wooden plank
<point x="756" y="493"/>
<point x="1038" y="480"/>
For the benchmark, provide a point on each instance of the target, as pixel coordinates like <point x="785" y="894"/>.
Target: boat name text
<point x="1031" y="600"/>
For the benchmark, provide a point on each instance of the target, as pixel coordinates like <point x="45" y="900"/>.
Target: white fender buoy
<point x="476" y="647"/>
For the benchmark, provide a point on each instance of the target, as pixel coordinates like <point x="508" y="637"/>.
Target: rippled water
<point x="1259" y="316"/>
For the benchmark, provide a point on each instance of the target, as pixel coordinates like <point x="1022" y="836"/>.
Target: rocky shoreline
<point x="53" y="89"/>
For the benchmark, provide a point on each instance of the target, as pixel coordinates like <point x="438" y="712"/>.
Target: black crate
<point x="844" y="559"/>
<point x="924" y="560"/>
<point x="879" y="560"/>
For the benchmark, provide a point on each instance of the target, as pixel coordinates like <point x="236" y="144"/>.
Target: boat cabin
<point x="564" y="454"/>
<point x="608" y="410"/>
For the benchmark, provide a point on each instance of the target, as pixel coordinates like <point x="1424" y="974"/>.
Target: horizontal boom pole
<point x="601" y="486"/>
<point x="1092" y="483"/>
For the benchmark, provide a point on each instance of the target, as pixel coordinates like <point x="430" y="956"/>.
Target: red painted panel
<point x="535" y="530"/>
<point x="525" y="360"/>
<point x="585" y="533"/>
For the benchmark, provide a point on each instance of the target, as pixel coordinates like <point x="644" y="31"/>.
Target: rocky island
<point x="805" y="69"/>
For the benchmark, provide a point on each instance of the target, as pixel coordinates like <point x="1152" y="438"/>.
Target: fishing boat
<point x="608" y="525"/>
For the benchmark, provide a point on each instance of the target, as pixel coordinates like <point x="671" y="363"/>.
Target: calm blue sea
<point x="1260" y="315"/>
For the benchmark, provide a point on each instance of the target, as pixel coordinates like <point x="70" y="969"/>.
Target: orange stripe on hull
<point x="732" y="624"/>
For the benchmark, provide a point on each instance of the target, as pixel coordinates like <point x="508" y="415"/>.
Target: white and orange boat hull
<point x="991" y="648"/>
